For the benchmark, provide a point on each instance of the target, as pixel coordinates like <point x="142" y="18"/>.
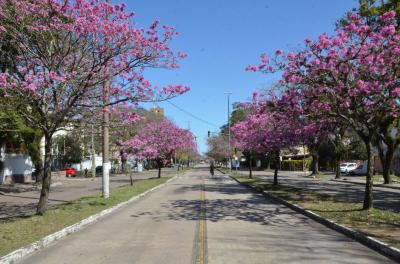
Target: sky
<point x="222" y="37"/>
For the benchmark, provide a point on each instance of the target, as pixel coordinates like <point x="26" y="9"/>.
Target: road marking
<point x="201" y="245"/>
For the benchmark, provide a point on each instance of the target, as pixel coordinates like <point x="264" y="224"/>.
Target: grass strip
<point x="379" y="179"/>
<point x="381" y="224"/>
<point x="20" y="232"/>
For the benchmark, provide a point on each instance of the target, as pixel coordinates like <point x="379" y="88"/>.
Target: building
<point x="15" y="165"/>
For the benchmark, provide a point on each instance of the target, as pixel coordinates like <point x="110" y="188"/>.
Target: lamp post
<point x="229" y="132"/>
<point x="106" y="135"/>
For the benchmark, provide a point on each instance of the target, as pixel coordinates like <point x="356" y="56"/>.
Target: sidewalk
<point x="16" y="204"/>
<point x="384" y="197"/>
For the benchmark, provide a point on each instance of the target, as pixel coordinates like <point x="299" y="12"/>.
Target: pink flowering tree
<point x="249" y="137"/>
<point x="159" y="141"/>
<point x="65" y="52"/>
<point x="351" y="76"/>
<point x="268" y="130"/>
<point x="283" y="129"/>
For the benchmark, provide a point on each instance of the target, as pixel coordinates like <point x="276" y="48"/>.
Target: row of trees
<point x="60" y="58"/>
<point x="335" y="84"/>
<point x="161" y="142"/>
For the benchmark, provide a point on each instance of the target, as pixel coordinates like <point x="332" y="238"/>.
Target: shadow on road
<point x="246" y="206"/>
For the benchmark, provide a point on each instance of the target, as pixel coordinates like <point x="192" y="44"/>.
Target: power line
<point x="192" y="115"/>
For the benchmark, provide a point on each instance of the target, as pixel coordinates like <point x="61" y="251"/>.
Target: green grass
<point x="20" y="232"/>
<point x="379" y="179"/>
<point x="382" y="224"/>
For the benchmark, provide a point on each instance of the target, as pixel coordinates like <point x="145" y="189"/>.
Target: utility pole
<point x="93" y="155"/>
<point x="105" y="130"/>
<point x="106" y="147"/>
<point x="229" y="131"/>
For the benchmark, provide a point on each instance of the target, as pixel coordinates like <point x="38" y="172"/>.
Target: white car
<point x="347" y="167"/>
<point x="362" y="169"/>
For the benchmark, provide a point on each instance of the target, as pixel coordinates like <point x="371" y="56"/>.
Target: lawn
<point x="379" y="179"/>
<point x="20" y="232"/>
<point x="382" y="224"/>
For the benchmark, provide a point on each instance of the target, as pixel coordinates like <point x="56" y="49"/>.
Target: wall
<point x="16" y="168"/>
<point x="87" y="164"/>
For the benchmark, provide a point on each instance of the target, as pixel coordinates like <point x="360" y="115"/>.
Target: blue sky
<point x="222" y="37"/>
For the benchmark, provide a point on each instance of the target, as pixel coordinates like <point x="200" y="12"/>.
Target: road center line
<point x="201" y="245"/>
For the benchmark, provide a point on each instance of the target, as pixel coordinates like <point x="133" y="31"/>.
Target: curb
<point x="375" y="185"/>
<point x="49" y="239"/>
<point x="373" y="243"/>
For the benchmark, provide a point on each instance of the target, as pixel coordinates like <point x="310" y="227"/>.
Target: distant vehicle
<point x="360" y="170"/>
<point x="347" y="167"/>
<point x="99" y="169"/>
<point x="70" y="172"/>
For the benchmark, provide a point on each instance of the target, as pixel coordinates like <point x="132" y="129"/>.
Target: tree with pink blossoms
<point x="159" y="141"/>
<point x="249" y="137"/>
<point x="64" y="52"/>
<point x="268" y="130"/>
<point x="351" y="76"/>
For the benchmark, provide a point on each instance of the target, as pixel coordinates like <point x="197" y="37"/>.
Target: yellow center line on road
<point x="201" y="255"/>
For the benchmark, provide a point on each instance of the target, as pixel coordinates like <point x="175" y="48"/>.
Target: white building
<point x="15" y="167"/>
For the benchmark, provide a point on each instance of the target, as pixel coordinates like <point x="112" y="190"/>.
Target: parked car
<point x="70" y="172"/>
<point x="347" y="167"/>
<point x="99" y="169"/>
<point x="360" y="170"/>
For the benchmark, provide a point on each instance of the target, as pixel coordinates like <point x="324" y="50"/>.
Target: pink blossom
<point x="251" y="68"/>
<point x="265" y="59"/>
<point x="308" y="40"/>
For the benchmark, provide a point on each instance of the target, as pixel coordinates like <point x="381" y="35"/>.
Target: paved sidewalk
<point x="384" y="198"/>
<point x="241" y="226"/>
<point x="65" y="190"/>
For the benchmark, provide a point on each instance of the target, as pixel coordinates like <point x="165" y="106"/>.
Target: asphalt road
<point x="199" y="219"/>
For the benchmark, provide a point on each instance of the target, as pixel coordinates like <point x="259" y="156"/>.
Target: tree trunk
<point x="386" y="166"/>
<point x="123" y="161"/>
<point x="276" y="168"/>
<point x="337" y="176"/>
<point x="44" y="194"/>
<point x="39" y="172"/>
<point x="250" y="167"/>
<point x="130" y="176"/>
<point x="368" y="196"/>
<point x="159" y="169"/>
<point x="315" y="169"/>
<point x="386" y="160"/>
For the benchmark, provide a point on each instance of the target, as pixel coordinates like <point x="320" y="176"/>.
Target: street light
<point x="106" y="135"/>
<point x="229" y="131"/>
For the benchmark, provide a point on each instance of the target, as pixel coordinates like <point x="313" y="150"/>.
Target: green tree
<point x="373" y="8"/>
<point x="239" y="114"/>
